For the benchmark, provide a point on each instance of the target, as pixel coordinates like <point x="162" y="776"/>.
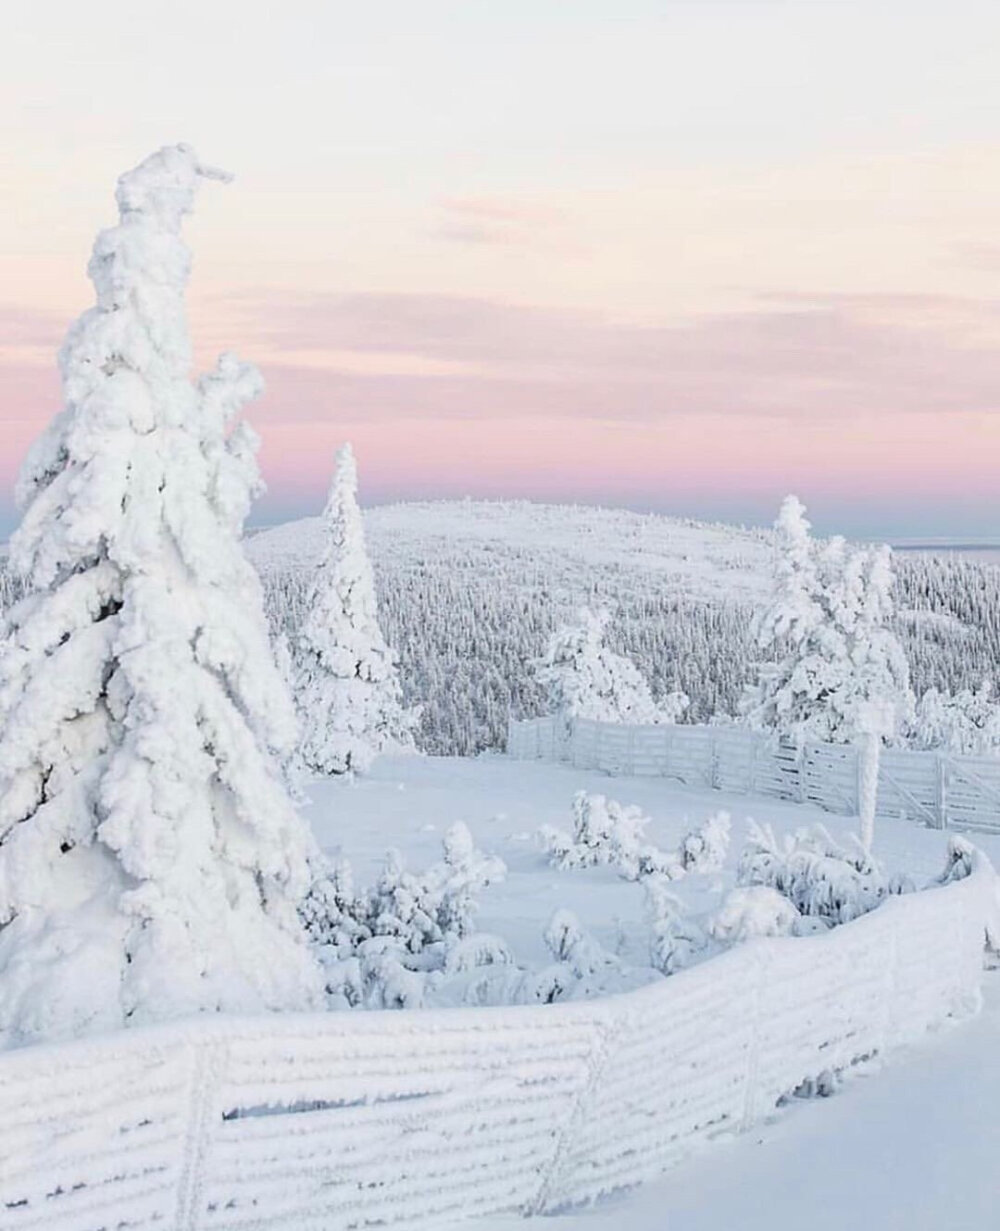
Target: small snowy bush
<point x="379" y="946"/>
<point x="675" y="938"/>
<point x="966" y="722"/>
<point x="610" y="834"/>
<point x="753" y="910"/>
<point x="582" y="967"/>
<point x="607" y="833"/>
<point x="705" y="849"/>
<point x="818" y="875"/>
<point x="959" y="861"/>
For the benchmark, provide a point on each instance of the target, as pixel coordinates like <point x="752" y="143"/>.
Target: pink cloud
<point x="838" y="395"/>
<point x="825" y="357"/>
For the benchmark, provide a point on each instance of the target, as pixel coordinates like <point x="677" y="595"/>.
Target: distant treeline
<point x="467" y="623"/>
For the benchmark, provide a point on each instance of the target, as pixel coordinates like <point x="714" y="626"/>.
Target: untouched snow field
<point x="912" y="1146"/>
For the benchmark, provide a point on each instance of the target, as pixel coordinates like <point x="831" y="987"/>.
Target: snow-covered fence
<point x="415" y="1118"/>
<point x="935" y="788"/>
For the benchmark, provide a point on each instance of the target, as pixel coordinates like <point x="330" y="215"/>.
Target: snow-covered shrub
<point x="583" y="678"/>
<point x="750" y="911"/>
<point x="607" y="833"/>
<point x="347" y="684"/>
<point x="966" y="722"/>
<point x="150" y="856"/>
<point x="705" y="849"/>
<point x="959" y="862"/>
<point x="582" y="967"/>
<point x="380" y="947"/>
<point x="675" y="939"/>
<point x="818" y="875"/>
<point x="464" y="872"/>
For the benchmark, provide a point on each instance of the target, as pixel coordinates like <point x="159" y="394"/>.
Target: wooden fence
<point x="934" y="788"/>
<point x="423" y="1118"/>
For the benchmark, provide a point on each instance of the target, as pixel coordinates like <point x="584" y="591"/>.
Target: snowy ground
<point x="409" y="803"/>
<point x="912" y="1147"/>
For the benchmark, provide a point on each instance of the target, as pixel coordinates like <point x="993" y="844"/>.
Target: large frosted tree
<point x="150" y="858"/>
<point x="837" y="666"/>
<point x="839" y="673"/>
<point x="348" y="688"/>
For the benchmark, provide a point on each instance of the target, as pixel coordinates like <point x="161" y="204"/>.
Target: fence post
<point x="752" y="763"/>
<point x="209" y="1062"/>
<point x="942" y="791"/>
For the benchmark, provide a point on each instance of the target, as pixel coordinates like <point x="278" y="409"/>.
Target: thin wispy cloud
<point x="823" y="356"/>
<point x="493" y="222"/>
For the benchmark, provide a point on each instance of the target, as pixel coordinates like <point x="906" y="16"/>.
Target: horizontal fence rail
<point x="935" y="788"/>
<point x="416" y="1119"/>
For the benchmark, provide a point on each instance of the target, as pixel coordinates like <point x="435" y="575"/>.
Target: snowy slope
<point x="700" y="560"/>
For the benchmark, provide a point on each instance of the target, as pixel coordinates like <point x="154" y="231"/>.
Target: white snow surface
<point x="409" y="802"/>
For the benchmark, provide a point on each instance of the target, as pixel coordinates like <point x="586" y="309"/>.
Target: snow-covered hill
<point x="698" y="559"/>
<point x="469" y="590"/>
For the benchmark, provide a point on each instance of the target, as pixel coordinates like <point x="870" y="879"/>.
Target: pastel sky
<point x="683" y="256"/>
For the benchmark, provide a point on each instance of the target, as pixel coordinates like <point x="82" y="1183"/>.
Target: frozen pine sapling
<point x="347" y="682"/>
<point x="150" y="856"/>
<point x="705" y="849"/>
<point x="675" y="939"/>
<point x="607" y="833"/>
<point x="386" y="947"/>
<point x="819" y="876"/>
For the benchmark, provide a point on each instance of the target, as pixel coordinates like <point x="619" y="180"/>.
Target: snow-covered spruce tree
<point x="837" y="659"/>
<point x="584" y="678"/>
<point x="150" y="859"/>
<point x="347" y="689"/>
<point x="966" y="722"/>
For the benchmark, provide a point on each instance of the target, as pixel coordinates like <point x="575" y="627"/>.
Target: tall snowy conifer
<point x="348" y="689"/>
<point x="840" y="668"/>
<point x="150" y="858"/>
